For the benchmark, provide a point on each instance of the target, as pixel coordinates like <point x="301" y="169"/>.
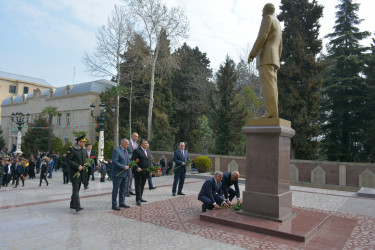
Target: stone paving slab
<point x="36" y="217"/>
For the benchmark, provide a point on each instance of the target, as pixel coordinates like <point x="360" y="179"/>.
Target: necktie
<point x="183" y="155"/>
<point x="146" y="153"/>
<point x="126" y="153"/>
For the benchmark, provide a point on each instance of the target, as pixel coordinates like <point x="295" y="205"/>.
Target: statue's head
<point x="268" y="9"/>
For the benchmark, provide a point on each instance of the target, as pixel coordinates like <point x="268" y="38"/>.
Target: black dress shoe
<point x="181" y="193"/>
<point x="127" y="195"/>
<point x="138" y="203"/>
<point x="123" y="205"/>
<point x="173" y="194"/>
<point x="86" y="188"/>
<point x="131" y="193"/>
<point x="152" y="188"/>
<point x="79" y="209"/>
<point x="204" y="208"/>
<point x="116" y="208"/>
<point x="142" y="200"/>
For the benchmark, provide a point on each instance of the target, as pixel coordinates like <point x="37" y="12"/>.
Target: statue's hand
<point x="251" y="58"/>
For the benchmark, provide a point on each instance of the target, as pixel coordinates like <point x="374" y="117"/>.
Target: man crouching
<point x="211" y="193"/>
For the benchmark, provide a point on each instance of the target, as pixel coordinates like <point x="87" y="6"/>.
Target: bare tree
<point x="151" y="18"/>
<point x="107" y="59"/>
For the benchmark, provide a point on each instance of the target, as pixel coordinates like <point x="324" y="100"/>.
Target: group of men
<point x="215" y="192"/>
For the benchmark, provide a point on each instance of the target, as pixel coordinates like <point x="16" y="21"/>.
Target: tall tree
<point x="111" y="43"/>
<point x="50" y="112"/>
<point x="36" y="137"/>
<point x="344" y="104"/>
<point x="227" y="116"/>
<point x="191" y="87"/>
<point x="151" y="18"/>
<point x="299" y="82"/>
<point x="370" y="79"/>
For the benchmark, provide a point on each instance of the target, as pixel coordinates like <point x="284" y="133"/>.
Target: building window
<point x="58" y="121"/>
<point x="68" y="119"/>
<point x="25" y="90"/>
<point x="12" y="89"/>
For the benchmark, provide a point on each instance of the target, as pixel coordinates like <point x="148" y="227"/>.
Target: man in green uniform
<point x="76" y="158"/>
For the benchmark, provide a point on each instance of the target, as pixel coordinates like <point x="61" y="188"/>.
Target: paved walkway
<point x="34" y="217"/>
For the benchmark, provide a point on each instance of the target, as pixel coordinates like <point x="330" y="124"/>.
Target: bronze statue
<point x="267" y="48"/>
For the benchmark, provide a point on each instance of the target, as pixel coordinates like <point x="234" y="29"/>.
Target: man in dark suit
<point x="76" y="158"/>
<point x="65" y="169"/>
<point x="133" y="145"/>
<point x="229" y="179"/>
<point x="211" y="193"/>
<point x="140" y="172"/>
<point x="180" y="157"/>
<point x="120" y="160"/>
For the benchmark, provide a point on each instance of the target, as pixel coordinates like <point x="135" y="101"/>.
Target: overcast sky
<point x="47" y="38"/>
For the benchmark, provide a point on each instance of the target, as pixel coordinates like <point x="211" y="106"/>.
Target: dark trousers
<point x="14" y="178"/>
<point x="86" y="177"/>
<point x="231" y="193"/>
<point x="140" y="181"/>
<point x="66" y="177"/>
<point x="219" y="199"/>
<point x="149" y="179"/>
<point x="119" y="187"/>
<point x="75" y="202"/>
<point x="130" y="181"/>
<point x="179" y="178"/>
<point x="43" y="177"/>
<point x="22" y="178"/>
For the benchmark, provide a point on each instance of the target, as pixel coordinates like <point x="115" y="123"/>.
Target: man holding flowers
<point x="76" y="158"/>
<point x="143" y="158"/>
<point x="120" y="161"/>
<point x="180" y="157"/>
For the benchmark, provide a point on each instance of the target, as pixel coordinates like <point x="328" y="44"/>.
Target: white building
<point x="73" y="101"/>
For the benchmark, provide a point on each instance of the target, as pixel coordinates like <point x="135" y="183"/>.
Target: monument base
<point x="302" y="226"/>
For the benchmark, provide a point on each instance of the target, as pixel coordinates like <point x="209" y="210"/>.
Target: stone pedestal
<point x="267" y="192"/>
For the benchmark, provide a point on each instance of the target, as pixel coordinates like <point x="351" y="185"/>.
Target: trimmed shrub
<point x="203" y="164"/>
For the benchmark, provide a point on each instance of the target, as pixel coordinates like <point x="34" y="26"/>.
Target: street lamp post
<point x="100" y="120"/>
<point x="20" y="119"/>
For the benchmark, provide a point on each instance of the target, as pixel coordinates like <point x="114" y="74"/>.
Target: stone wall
<point x="346" y="174"/>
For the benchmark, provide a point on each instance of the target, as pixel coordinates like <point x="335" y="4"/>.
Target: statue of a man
<point x="267" y="48"/>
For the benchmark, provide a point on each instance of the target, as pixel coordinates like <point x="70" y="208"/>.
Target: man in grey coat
<point x="132" y="146"/>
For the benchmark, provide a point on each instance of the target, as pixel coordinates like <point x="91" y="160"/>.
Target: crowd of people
<point x="129" y="161"/>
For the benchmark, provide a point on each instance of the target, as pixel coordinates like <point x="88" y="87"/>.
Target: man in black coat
<point x="65" y="166"/>
<point x="76" y="157"/>
<point x="211" y="193"/>
<point x="229" y="179"/>
<point x="140" y="173"/>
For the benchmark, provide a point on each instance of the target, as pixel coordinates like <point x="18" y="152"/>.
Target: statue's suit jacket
<point x="268" y="46"/>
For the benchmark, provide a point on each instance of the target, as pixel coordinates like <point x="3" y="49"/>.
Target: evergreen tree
<point x="299" y="85"/>
<point x="36" y="137"/>
<point x="370" y="75"/>
<point x="344" y="103"/>
<point x="190" y="87"/>
<point x="227" y="115"/>
<point x="2" y="141"/>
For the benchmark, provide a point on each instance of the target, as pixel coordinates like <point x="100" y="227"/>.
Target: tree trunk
<point x="130" y="108"/>
<point x="152" y="87"/>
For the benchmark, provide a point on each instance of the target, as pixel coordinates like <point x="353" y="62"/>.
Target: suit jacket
<point x="20" y="169"/>
<point x="179" y="159"/>
<point x="76" y="156"/>
<point x="120" y="160"/>
<point x="131" y="148"/>
<point x="209" y="189"/>
<point x="144" y="161"/>
<point x="227" y="182"/>
<point x="268" y="45"/>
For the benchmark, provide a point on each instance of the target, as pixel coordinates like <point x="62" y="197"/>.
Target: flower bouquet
<point x="187" y="163"/>
<point x="88" y="162"/>
<point x="237" y="207"/>
<point x="153" y="169"/>
<point x="131" y="165"/>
